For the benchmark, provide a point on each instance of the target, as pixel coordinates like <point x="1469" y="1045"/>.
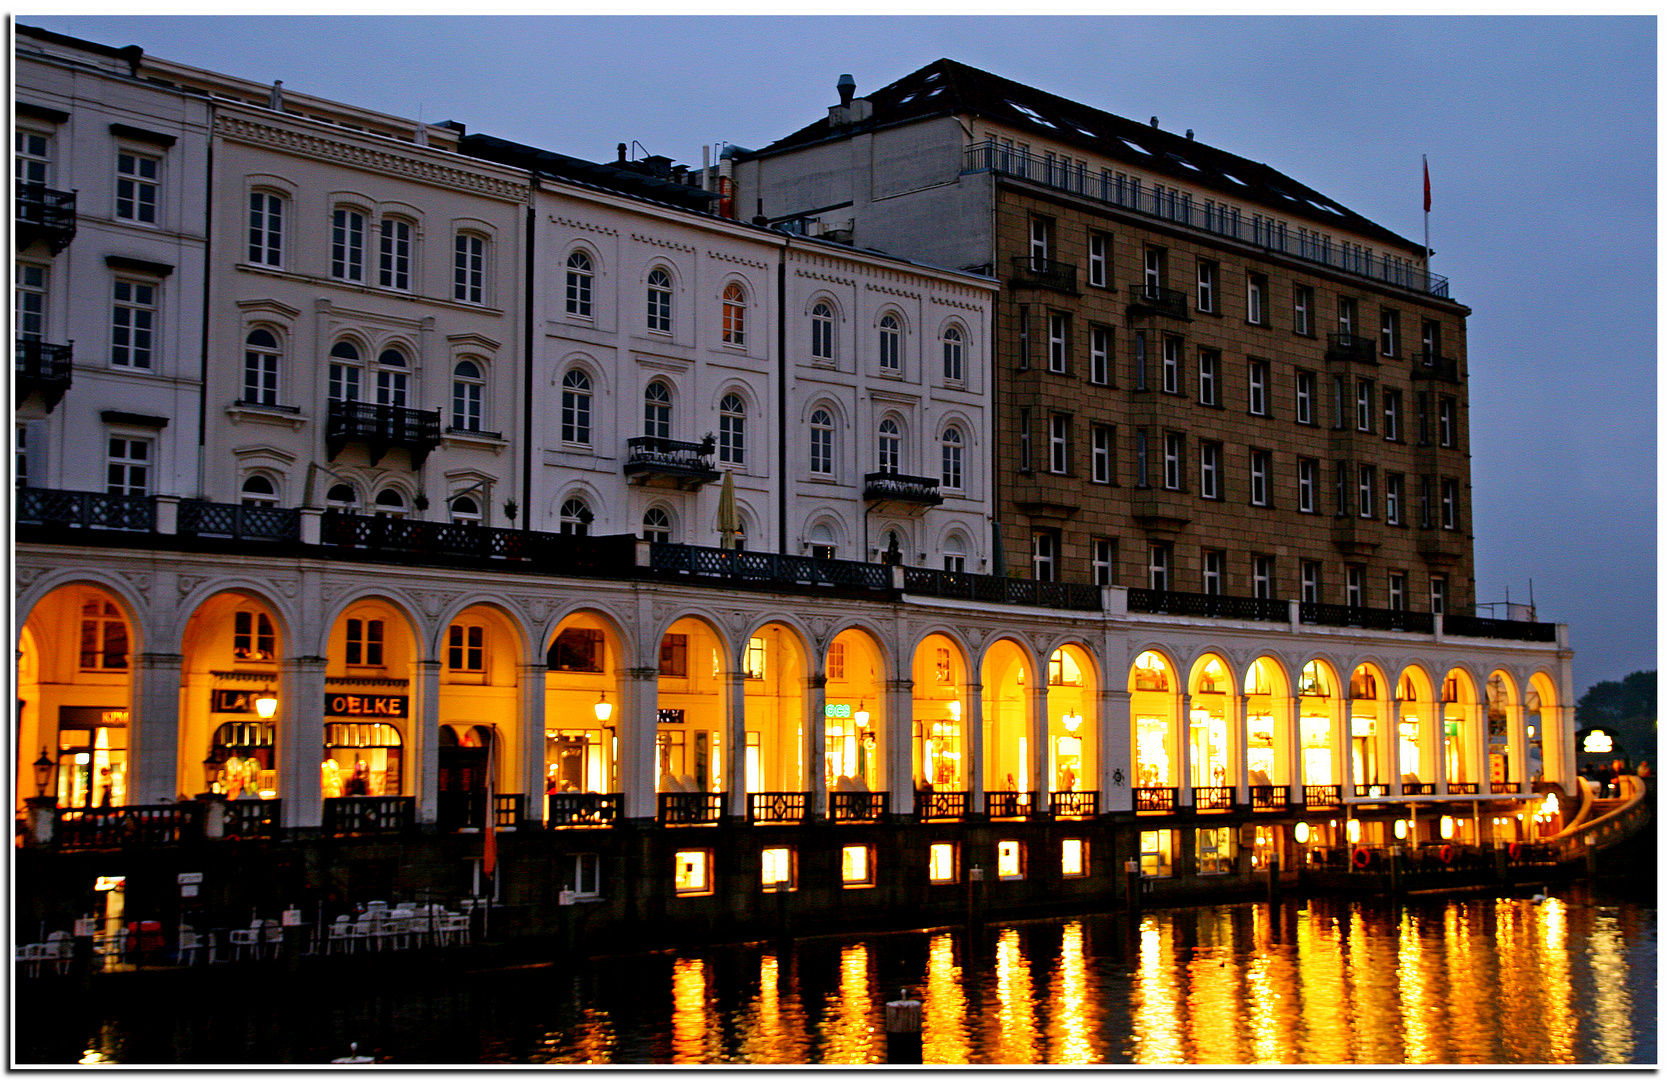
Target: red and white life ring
<point x="1515" y="849"/>
<point x="1446" y="853"/>
<point x="1362" y="857"/>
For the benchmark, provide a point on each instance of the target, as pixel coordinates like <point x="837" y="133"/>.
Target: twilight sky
<point x="1541" y="141"/>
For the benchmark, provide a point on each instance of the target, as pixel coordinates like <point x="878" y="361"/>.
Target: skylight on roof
<point x="1030" y="113"/>
<point x="907" y="98"/>
<point x="1185" y="163"/>
<point x="1083" y="131"/>
<point x="932" y="76"/>
<point x="1235" y="180"/>
<point x="932" y="91"/>
<point x="1327" y="209"/>
<point x="1136" y="146"/>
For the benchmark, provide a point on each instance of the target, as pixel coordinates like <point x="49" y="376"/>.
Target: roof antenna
<point x="845" y="89"/>
<point x="1155" y="122"/>
<point x="1190" y="136"/>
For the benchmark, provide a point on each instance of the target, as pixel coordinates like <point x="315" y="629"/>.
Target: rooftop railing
<point x="1071" y="596"/>
<point x="1162" y="203"/>
<point x="1207" y="605"/>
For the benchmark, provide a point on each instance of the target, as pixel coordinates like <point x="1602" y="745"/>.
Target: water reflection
<point x="1320" y="982"/>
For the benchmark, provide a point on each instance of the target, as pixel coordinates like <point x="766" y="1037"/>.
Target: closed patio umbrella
<point x="726" y="518"/>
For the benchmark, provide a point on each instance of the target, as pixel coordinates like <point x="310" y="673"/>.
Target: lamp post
<point x="41" y="811"/>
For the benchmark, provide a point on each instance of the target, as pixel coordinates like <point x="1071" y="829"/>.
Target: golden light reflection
<point x="591" y="1041"/>
<point x="1018" y="1036"/>
<point x="1156" y="1027"/>
<point x="1557" y="980"/>
<point x="691" y="1014"/>
<point x="769" y="1035"/>
<point x="1370" y="960"/>
<point x="1470" y="963"/>
<point x="1321" y="968"/>
<point x="1412" y="979"/>
<point x="1212" y="993"/>
<point x="1264" y="1000"/>
<point x="847" y="1030"/>
<point x="1611" y="1002"/>
<point x="946" y="1040"/>
<point x="1070" y="1042"/>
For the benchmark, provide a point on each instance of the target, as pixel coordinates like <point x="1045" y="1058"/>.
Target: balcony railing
<point x="86" y="510"/>
<point x="1074" y="804"/>
<point x="1159" y="800"/>
<point x="900" y="488"/>
<point x="688" y="807"/>
<point x="1269" y="797"/>
<point x="1350" y="347"/>
<point x="1467" y="787"/>
<point x="1028" y="270"/>
<point x="685" y="465"/>
<point x="1160" y="202"/>
<point x="251" y="817"/>
<point x="778" y="807"/>
<point x="1371" y="791"/>
<point x="766" y="566"/>
<point x="44" y="213"/>
<point x="1213" y="798"/>
<point x="1366" y="618"/>
<point x="45" y="367"/>
<point x="368" y="815"/>
<point x="464" y="809"/>
<point x="921" y="581"/>
<point x="1148" y="297"/>
<point x="582" y="809"/>
<point x="607" y="555"/>
<point x="1009" y="804"/>
<point x="859" y="805"/>
<point x="199" y="518"/>
<point x="122" y="825"/>
<point x="940" y="805"/>
<point x="1503" y="629"/>
<point x="1207" y="605"/>
<point x="1504" y="787"/>
<point x="1434" y="366"/>
<point x="1321" y="795"/>
<point x="381" y="427"/>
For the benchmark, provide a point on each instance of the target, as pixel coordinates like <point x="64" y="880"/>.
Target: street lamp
<point x="1071" y="721"/>
<point x="602" y="709"/>
<point x="211" y="768"/>
<point x="267" y="703"/>
<point x="43" y="773"/>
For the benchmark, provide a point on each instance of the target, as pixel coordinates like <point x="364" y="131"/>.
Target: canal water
<point x="1334" y="981"/>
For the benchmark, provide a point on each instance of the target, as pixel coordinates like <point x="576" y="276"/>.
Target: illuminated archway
<point x="775" y="704"/>
<point x="691" y="711"/>
<point x="231" y="650"/>
<point x="940" y="679"/>
<point x="1316" y="694"/>
<point x="1504" y="713"/>
<point x="1266" y="735"/>
<point x="1460" y="731"/>
<point x="1414" y="707"/>
<point x="1152" y="683"/>
<point x="1212" y="710"/>
<point x="1368" y="730"/>
<point x="856" y="714"/>
<point x="478" y="708"/>
<point x="584" y="663"/>
<point x="1007" y="707"/>
<point x="369" y="673"/>
<point x="1072" y="711"/>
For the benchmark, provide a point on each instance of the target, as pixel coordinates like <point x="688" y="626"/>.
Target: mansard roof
<point x="947" y="87"/>
<point x="624" y="178"/>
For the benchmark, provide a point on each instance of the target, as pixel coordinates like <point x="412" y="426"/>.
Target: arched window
<point x="395" y="253"/>
<point x="267" y="220"/>
<point x="389" y="503"/>
<point x="658" y="527"/>
<point x="467" y="396"/>
<point x="344" y="382"/>
<point x="953" y="554"/>
<point x="659" y="302"/>
<point x="659" y="410"/>
<point x="470" y="268"/>
<point x="952" y="355"/>
<point x="463" y="510"/>
<point x="392" y="378"/>
<point x="261" y="368"/>
<point x="258" y="491"/>
<point x="952" y="459"/>
<point x="821" y="543"/>
<point x="888" y="343"/>
<point x="341" y="499"/>
<point x="888" y="446"/>
<point x="578" y="285"/>
<point x="574" y="517"/>
<point x="824" y="342"/>
<point x="732" y="315"/>
<point x="821" y="434"/>
<point x="732" y="430"/>
<point x="577" y="407"/>
<point x="893" y="549"/>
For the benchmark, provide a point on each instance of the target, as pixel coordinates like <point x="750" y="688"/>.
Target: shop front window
<point x="361" y="759"/>
<point x="92" y="757"/>
<point x="1155" y="768"/>
<point x="1156" y="853"/>
<point x="243" y="754"/>
<point x="1315" y="750"/>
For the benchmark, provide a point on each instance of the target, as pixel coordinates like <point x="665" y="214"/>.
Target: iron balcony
<point x="658" y="462"/>
<point x="45" y="367"/>
<point x="44" y="214"/>
<point x="381" y="427"/>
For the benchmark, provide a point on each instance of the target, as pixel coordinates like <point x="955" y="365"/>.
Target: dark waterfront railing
<point x="1170" y="205"/>
<point x="368" y="815"/>
<point x="940" y="805"/>
<point x="1155" y="799"/>
<point x="1213" y="798"/>
<point x="859" y="805"/>
<point x="127" y="825"/>
<point x="1008" y="804"/>
<point x="251" y="817"/>
<point x="1464" y="788"/>
<point x="1068" y="596"/>
<point x="1366" y="618"/>
<point x="689" y="807"/>
<point x="767" y="567"/>
<point x="1417" y="789"/>
<point x="1315" y="796"/>
<point x="464" y="810"/>
<point x="1370" y="791"/>
<point x="582" y="809"/>
<point x="1269" y="797"/>
<point x="779" y="807"/>
<point x="1504" y="629"/>
<point x="1074" y="804"/>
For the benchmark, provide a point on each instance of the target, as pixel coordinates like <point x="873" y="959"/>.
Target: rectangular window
<point x="395" y="254"/>
<point x="1304" y="310"/>
<point x="1367" y="489"/>
<point x="133" y="322"/>
<point x="1141" y="457"/>
<point x="1057" y="342"/>
<point x="104" y="636"/>
<point x="1431" y="340"/>
<point x="1025" y="440"/>
<point x="1310" y="582"/>
<point x="857" y="866"/>
<point x="1423" y="418"/>
<point x="1161" y="566"/>
<point x="691" y="873"/>
<point x="1425" y="503"/>
<point x="1449" y="504"/>
<point x="261" y="372"/>
<point x="1024" y="345"/>
<point x="1261" y="576"/>
<point x="30" y="297"/>
<point x="672" y="659"/>
<point x="128" y="466"/>
<point x="1098" y="356"/>
<point x="1391" y="415"/>
<point x="943" y="864"/>
<point x="1102" y="438"/>
<point x="1347" y="315"/>
<point x="34" y="158"/>
<point x="1396" y="499"/>
<point x="1156" y="853"/>
<point x="1059" y="442"/>
<point x="470" y="268"/>
<point x="1208" y="286"/>
<point x="1389" y="336"/>
<point x="778" y="866"/>
<point x="137" y="184"/>
<point x="1008" y="860"/>
<point x="1074" y="858"/>
<point x="1362" y="405"/>
<point x="1445" y="421"/>
<point x="1210" y="470"/>
<point x="1173" y="461"/>
<point x="1306" y="385"/>
<point x="1397" y="592"/>
<point x="1341" y="489"/>
<point x="1260" y="373"/>
<point x="1307" y="478"/>
<point x="266" y="227"/>
<point x="464" y="648"/>
<point x="1356" y="586"/>
<point x="1097" y="259"/>
<point x="20" y="459"/>
<point x="1039" y="242"/>
<point x="1044" y="552"/>
<point x="252" y="636"/>
<point x="1260" y="472"/>
<point x="363" y="642"/>
<point x="1213" y="572"/>
<point x="577" y="649"/>
<point x="1208" y="377"/>
<point x="1140" y="361"/>
<point x="579" y="874"/>
<point x="1437" y="595"/>
<point x="1216" y="853"/>
<point x="836" y="660"/>
<point x="1171" y="347"/>
<point x="1257" y="299"/>
<point x="348" y="245"/>
<point x="755" y="658"/>
<point x="1340" y="384"/>
<point x="1155" y="271"/>
<point x="1103" y="561"/>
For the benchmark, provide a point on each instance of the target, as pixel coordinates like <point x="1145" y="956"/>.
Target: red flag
<point x="490" y="835"/>
<point x="1425" y="183"/>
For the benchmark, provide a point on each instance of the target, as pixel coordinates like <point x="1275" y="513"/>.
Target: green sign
<point x="838" y="712"/>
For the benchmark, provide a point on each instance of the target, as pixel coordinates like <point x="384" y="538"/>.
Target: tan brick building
<point x="1210" y="377"/>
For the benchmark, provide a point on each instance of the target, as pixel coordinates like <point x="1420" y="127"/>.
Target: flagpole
<point x="1426" y="248"/>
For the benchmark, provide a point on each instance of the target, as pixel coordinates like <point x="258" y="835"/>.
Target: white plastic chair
<point x="190" y="946"/>
<point x="246" y="939"/>
<point x="30" y="956"/>
<point x="272" y="936"/>
<point x="341" y="935"/>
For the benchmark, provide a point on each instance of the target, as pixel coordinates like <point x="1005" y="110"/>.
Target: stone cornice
<point x="727" y="257"/>
<point x="658" y="241"/>
<point x="812" y="275"/>
<point x="584" y="226"/>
